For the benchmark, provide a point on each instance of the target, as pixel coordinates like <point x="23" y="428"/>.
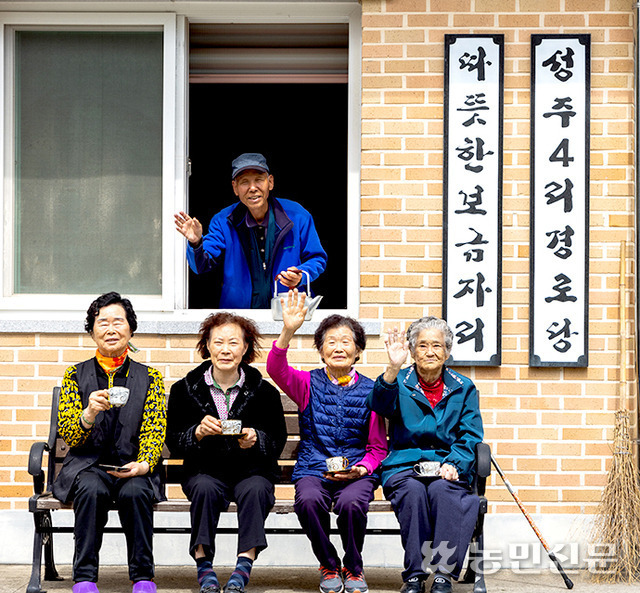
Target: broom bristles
<point x="617" y="521"/>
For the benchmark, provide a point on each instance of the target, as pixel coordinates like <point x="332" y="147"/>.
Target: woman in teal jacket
<point x="434" y="416"/>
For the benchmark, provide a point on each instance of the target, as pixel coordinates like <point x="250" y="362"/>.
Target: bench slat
<point x="49" y="503"/>
<point x="287" y="404"/>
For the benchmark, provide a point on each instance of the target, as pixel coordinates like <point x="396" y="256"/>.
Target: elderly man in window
<point x="434" y="428"/>
<point x="257" y="241"/>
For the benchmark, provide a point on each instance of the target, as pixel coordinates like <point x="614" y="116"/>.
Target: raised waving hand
<point x="293" y="314"/>
<point x="397" y="351"/>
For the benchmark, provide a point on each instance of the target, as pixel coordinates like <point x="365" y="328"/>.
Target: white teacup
<point x="427" y="469"/>
<point x="337" y="464"/>
<point x="231" y="426"/>
<point x="118" y="396"/>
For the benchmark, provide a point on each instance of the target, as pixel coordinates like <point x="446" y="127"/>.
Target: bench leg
<point x="469" y="575"/>
<point x="42" y="539"/>
<point x="479" y="585"/>
<point x="473" y="573"/>
<point x="50" y="572"/>
<point x="34" y="581"/>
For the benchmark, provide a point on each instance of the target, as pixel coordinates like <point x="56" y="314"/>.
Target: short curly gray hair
<point x="430" y="322"/>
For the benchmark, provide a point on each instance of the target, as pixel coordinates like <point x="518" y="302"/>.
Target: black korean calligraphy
<point x="475" y="62"/>
<point x="561" y="64"/>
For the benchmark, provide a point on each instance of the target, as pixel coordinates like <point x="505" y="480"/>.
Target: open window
<point x="281" y="90"/>
<point x="96" y="133"/>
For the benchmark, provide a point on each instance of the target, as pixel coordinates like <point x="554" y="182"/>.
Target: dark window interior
<point x="279" y="104"/>
<point x="302" y="131"/>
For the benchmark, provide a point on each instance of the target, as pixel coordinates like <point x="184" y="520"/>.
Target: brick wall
<point x="550" y="428"/>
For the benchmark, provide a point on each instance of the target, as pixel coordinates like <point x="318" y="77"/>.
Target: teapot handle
<point x="275" y="285"/>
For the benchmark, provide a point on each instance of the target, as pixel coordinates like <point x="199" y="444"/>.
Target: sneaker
<point x="210" y="589"/>
<point x="413" y="585"/>
<point x="441" y="585"/>
<point x="354" y="583"/>
<point x="85" y="587"/>
<point x="331" y="581"/>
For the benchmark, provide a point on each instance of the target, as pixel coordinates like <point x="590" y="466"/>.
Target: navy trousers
<point x="93" y="493"/>
<point x="437" y="518"/>
<point x="210" y="496"/>
<point x="350" y="500"/>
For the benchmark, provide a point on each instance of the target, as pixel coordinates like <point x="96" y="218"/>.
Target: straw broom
<point x="617" y="521"/>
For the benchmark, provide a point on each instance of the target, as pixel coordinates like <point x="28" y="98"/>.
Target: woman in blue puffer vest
<point x="334" y="422"/>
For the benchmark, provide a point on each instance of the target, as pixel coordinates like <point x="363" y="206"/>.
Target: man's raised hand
<point x="190" y="228"/>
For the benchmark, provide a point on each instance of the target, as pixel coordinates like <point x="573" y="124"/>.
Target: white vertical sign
<point x="472" y="237"/>
<point x="560" y="86"/>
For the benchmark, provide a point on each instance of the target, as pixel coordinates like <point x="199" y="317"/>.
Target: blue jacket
<point x="447" y="433"/>
<point x="335" y="423"/>
<point x="296" y="244"/>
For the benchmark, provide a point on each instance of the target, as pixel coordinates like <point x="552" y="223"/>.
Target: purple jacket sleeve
<point x="294" y="383"/>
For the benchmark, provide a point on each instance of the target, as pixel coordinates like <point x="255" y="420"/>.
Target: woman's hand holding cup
<point x="209" y="426"/>
<point x="248" y="438"/>
<point x="98" y="402"/>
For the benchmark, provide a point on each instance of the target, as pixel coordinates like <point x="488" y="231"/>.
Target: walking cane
<point x="567" y="581"/>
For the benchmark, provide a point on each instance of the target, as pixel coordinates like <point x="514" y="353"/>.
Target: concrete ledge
<point x="166" y="326"/>
<point x="509" y="542"/>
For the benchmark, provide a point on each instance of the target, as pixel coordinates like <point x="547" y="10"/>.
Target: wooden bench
<point x="42" y="503"/>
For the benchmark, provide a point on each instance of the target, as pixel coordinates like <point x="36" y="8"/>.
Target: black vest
<point x="128" y="429"/>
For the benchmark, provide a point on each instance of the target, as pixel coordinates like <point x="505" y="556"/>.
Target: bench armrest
<point x="483" y="468"/>
<point x="36" y="454"/>
<point x="483" y="456"/>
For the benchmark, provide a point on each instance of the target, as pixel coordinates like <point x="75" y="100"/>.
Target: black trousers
<point x="437" y="518"/>
<point x="210" y="496"/>
<point x="93" y="493"/>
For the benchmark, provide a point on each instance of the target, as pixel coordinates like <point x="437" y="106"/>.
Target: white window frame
<point x="90" y="22"/>
<point x="168" y="313"/>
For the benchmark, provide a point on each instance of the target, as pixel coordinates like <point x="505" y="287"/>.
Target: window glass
<point x="88" y="147"/>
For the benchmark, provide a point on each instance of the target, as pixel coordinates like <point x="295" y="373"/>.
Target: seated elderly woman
<point x="434" y="417"/>
<point x="126" y="436"/>
<point x="334" y="422"/>
<point x="221" y="467"/>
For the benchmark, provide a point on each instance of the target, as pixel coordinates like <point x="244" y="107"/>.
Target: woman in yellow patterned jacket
<point x="114" y="450"/>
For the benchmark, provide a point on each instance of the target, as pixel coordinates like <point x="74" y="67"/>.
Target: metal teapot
<point x="311" y="303"/>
